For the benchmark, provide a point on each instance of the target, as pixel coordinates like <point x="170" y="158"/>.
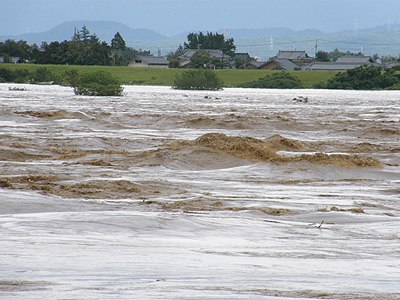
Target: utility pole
<point x="316" y="47"/>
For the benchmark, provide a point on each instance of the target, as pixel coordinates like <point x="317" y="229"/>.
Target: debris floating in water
<point x="301" y="99"/>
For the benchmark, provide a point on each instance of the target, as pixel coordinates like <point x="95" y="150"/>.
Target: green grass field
<point x="153" y="76"/>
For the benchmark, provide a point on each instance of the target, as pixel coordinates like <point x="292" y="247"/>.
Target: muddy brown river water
<point x="165" y="194"/>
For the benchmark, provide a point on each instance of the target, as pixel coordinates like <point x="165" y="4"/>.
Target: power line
<point x="275" y="43"/>
<point x="361" y="43"/>
<point x="319" y="40"/>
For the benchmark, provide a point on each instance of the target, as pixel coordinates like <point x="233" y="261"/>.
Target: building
<point x="299" y="60"/>
<point x="185" y="59"/>
<point x="297" y="57"/>
<point x="149" y="61"/>
<point x="243" y="56"/>
<point x="287" y="61"/>
<point x="11" y="60"/>
<point x="255" y="64"/>
<point x="343" y="63"/>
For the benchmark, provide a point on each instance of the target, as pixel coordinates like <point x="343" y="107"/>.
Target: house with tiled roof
<point x="288" y="61"/>
<point x="185" y="59"/>
<point x="355" y="60"/>
<point x="343" y="63"/>
<point x="255" y="64"/>
<point x="149" y="61"/>
<point x="244" y="56"/>
<point x="297" y="57"/>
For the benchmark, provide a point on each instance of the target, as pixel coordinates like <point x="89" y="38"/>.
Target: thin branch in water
<point x="319" y="226"/>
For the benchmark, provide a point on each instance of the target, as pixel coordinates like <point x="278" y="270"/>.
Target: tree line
<point x="83" y="49"/>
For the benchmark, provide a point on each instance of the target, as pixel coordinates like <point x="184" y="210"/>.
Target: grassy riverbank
<point x="152" y="76"/>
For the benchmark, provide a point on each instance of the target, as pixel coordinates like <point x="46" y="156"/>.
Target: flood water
<point x="165" y="194"/>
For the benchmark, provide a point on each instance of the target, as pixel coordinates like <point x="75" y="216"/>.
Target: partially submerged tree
<point x="363" y="78"/>
<point x="99" y="83"/>
<point x="198" y="80"/>
<point x="277" y="80"/>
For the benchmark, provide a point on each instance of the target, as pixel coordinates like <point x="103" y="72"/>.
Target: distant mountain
<point x="383" y="40"/>
<point x="104" y="30"/>
<point x="263" y="32"/>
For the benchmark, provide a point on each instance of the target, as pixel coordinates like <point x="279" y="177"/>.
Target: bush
<point x="198" y="80"/>
<point x="278" y="80"/>
<point x="71" y="78"/>
<point x="363" y="78"/>
<point x="7" y="75"/>
<point x="173" y="63"/>
<point x="319" y="85"/>
<point x="42" y="74"/>
<point x="18" y="76"/>
<point x="99" y="83"/>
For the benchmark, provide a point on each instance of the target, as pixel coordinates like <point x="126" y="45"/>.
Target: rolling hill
<point x="105" y="31"/>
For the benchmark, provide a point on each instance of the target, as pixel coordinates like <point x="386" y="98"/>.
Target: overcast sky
<point x="170" y="17"/>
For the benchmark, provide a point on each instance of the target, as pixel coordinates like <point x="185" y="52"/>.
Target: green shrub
<point x="71" y="78"/>
<point x="319" y="85"/>
<point x="23" y="74"/>
<point x="7" y="75"/>
<point x="18" y="76"/>
<point x="363" y="78"/>
<point x="173" y="63"/>
<point x="42" y="74"/>
<point x="394" y="87"/>
<point x="198" y="80"/>
<point x="99" y="83"/>
<point x="278" y="80"/>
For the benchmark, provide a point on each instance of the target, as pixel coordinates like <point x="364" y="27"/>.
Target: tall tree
<point x="85" y="34"/>
<point x="19" y="49"/>
<point x="210" y="41"/>
<point x="322" y="56"/>
<point x="118" y="43"/>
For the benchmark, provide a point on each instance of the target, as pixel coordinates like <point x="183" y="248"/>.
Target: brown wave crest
<point x="58" y="114"/>
<point x="200" y="205"/>
<point x="94" y="189"/>
<point x="266" y="150"/>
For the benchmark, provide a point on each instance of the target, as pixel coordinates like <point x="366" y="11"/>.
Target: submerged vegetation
<point x="198" y="80"/>
<point x="99" y="83"/>
<point x="278" y="80"/>
<point x="37" y="75"/>
<point x="363" y="78"/>
<point x="92" y="83"/>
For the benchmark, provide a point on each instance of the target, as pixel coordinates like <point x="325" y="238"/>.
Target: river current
<point x="166" y="194"/>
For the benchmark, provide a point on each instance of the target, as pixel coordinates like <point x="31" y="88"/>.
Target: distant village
<point x="87" y="49"/>
<point x="283" y="60"/>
